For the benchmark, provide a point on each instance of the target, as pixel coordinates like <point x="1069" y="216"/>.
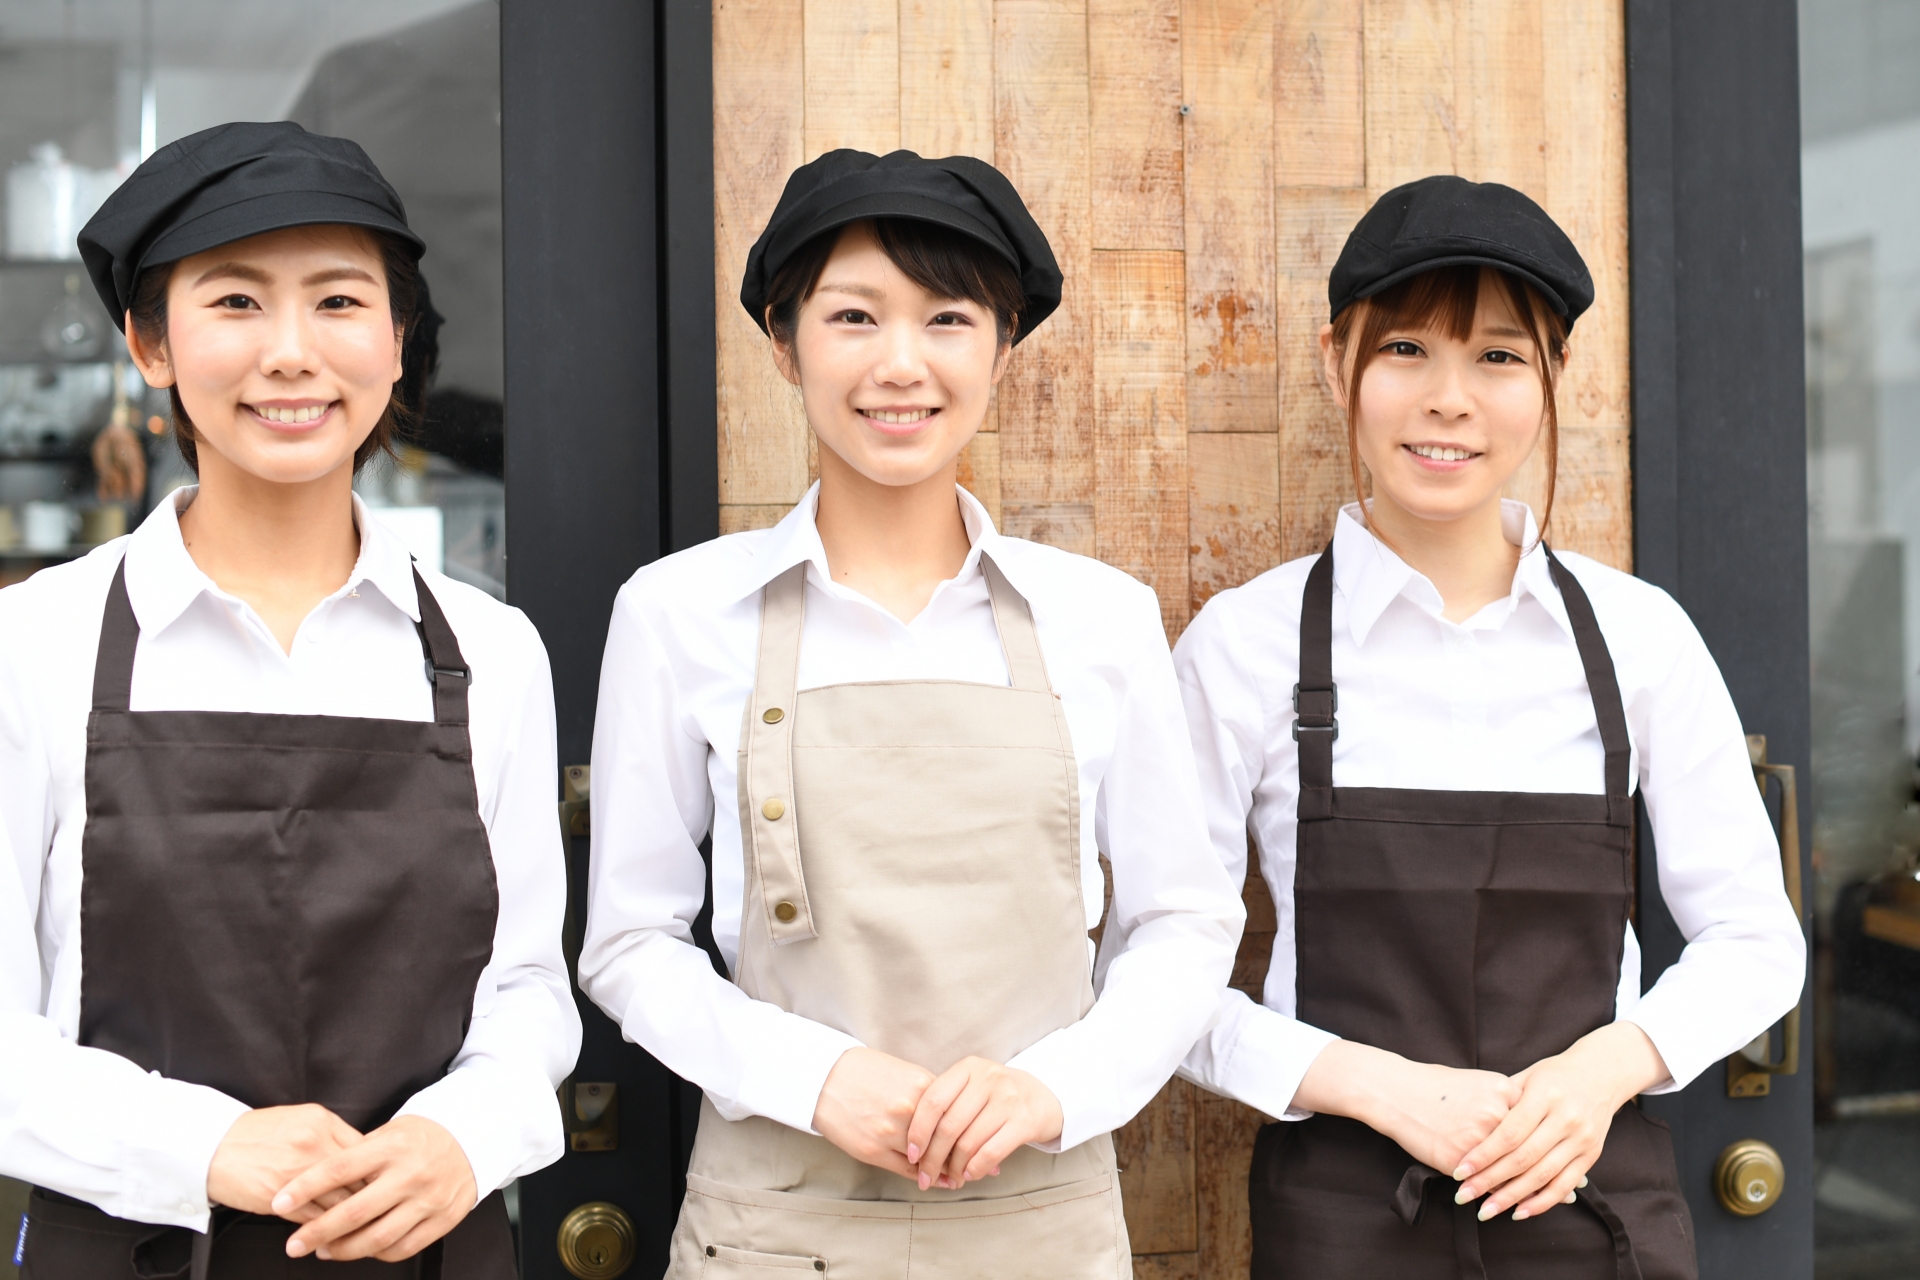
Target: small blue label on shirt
<point x="20" y="1243"/>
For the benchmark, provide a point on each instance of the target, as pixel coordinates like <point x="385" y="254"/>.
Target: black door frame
<point x="607" y="145"/>
<point x="1719" y="484"/>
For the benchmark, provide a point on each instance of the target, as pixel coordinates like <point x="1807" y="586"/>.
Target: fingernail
<point x="1583" y="1181"/>
<point x="296" y="1248"/>
<point x="995" y="1171"/>
<point x="1571" y="1197"/>
<point x="1463" y="1195"/>
<point x="1520" y="1215"/>
<point x="925" y="1181"/>
<point x="1488" y="1210"/>
<point x="1464" y="1172"/>
<point x="913" y="1153"/>
<point x="282" y="1202"/>
<point x="325" y="1254"/>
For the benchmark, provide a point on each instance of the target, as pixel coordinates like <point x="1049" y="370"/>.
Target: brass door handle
<point x="596" y="1241"/>
<point x="1748" y="1177"/>
<point x="1750" y="1072"/>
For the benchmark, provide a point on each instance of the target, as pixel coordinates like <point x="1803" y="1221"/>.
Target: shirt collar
<point x="163" y="581"/>
<point x="1371" y="576"/>
<point x="796" y="540"/>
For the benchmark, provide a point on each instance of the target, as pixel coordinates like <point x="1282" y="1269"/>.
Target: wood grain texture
<point x="1139" y="354"/>
<point x="1233" y="510"/>
<point x="1226" y="50"/>
<point x="946" y="77"/>
<point x="1224" y="1132"/>
<point x="757" y="142"/>
<point x="1133" y="55"/>
<point x="1167" y="1266"/>
<point x="1499" y="95"/>
<point x="852" y="50"/>
<point x="980" y="472"/>
<point x="1067" y="525"/>
<point x="1256" y="943"/>
<point x="738" y="517"/>
<point x="1313" y="224"/>
<point x="1319" y="94"/>
<point x="1156" y="1155"/>
<point x="1412" y="126"/>
<point x="1041" y="144"/>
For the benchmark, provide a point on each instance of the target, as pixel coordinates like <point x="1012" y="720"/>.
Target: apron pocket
<point x="724" y="1263"/>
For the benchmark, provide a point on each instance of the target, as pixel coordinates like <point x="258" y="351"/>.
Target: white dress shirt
<point x="90" y="1123"/>
<point x="1498" y="702"/>
<point x="678" y="672"/>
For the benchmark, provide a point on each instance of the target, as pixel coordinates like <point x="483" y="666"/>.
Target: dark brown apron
<point x="288" y="909"/>
<point x="1474" y="929"/>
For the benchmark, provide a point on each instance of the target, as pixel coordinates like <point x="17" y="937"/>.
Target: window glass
<point x="1860" y="103"/>
<point x="87" y="88"/>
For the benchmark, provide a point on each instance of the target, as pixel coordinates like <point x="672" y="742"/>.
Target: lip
<point x="291" y="428"/>
<point x="1436" y="465"/>
<point x="898" y="429"/>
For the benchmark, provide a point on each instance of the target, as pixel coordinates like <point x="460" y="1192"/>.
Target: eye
<point x="236" y="302"/>
<point x="338" y="302"/>
<point x="852" y="316"/>
<point x="951" y="320"/>
<point x="1502" y="357"/>
<point x="1402" y="347"/>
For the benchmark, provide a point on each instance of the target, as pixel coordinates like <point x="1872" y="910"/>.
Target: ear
<point x="1001" y="359"/>
<point x="399" y="351"/>
<point x="1333" y="367"/>
<point x="153" y="362"/>
<point x="783" y="358"/>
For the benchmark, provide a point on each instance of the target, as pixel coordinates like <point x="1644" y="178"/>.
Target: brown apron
<point x="938" y="914"/>
<point x="288" y="909"/>
<point x="1475" y="930"/>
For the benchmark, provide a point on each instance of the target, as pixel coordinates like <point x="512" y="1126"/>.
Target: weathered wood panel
<point x="1139" y="359"/>
<point x="1180" y="153"/>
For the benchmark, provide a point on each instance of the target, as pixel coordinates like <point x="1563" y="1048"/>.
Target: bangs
<point x="1443" y="300"/>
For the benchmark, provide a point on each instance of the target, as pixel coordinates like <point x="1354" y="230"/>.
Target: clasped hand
<point x="385" y="1194"/>
<point x="942" y="1131"/>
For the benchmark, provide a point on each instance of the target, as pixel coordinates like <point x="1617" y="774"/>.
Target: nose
<point x="901" y="362"/>
<point x="289" y="350"/>
<point x="1447" y="396"/>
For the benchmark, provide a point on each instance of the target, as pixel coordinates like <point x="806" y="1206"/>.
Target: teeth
<point x="915" y="415"/>
<point x="1440" y="453"/>
<point x="273" y="413"/>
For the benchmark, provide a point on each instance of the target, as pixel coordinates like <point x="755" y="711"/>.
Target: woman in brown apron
<point x="1433" y="731"/>
<point x="911" y="740"/>
<point x="280" y="803"/>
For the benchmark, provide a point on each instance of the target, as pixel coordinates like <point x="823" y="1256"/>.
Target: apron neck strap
<point x="1316" y="699"/>
<point x="119" y="637"/>
<point x="446" y="667"/>
<point x="1019" y="638"/>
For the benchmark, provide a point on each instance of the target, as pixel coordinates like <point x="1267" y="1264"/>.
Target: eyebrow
<point x="857" y="290"/>
<point x="240" y="271"/>
<point x="1505" y="331"/>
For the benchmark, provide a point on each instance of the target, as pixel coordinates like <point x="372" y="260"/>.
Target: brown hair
<point x="1445" y="300"/>
<point x="148" y="312"/>
<point x="946" y="263"/>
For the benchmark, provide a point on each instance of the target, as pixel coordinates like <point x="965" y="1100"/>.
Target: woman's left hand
<point x="418" y="1186"/>
<point x="1539" y="1155"/>
<point x="975" y="1114"/>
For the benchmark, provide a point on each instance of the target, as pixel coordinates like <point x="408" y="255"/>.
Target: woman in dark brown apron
<point x="280" y="801"/>
<point x="1433" y="731"/>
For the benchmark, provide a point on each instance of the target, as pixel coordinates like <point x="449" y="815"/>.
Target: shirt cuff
<point x="1258" y="1057"/>
<point x="166" y="1173"/>
<point x="505" y="1126"/>
<point x="1088" y="1099"/>
<point x="785" y="1087"/>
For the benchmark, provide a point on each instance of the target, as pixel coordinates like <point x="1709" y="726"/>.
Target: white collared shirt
<point x="678" y="672"/>
<point x="90" y="1123"/>
<point x="1498" y="702"/>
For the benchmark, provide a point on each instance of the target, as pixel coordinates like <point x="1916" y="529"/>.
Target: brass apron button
<point x="773" y="810"/>
<point x="773" y="715"/>
<point x="785" y="912"/>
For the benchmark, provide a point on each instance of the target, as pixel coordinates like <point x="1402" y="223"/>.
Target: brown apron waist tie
<point x="1410" y="1201"/>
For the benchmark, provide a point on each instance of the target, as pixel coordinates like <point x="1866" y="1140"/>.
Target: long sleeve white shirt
<point x="90" y="1123"/>
<point x="1498" y="702"/>
<point x="679" y="669"/>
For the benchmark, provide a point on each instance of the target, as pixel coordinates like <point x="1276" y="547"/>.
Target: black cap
<point x="225" y="184"/>
<point x="1445" y="221"/>
<point x="964" y="194"/>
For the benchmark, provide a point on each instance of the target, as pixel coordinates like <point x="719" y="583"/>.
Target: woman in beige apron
<point x="910" y="740"/>
<point x="1444" y="810"/>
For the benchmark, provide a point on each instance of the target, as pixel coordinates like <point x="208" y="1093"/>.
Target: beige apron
<point x="938" y="914"/>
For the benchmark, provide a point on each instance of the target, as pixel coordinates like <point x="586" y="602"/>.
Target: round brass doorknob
<point x="596" y="1241"/>
<point x="1749" y="1177"/>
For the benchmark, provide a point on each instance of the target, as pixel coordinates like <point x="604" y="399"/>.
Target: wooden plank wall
<point x="1197" y="165"/>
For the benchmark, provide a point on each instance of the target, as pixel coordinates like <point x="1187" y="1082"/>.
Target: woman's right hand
<point x="866" y="1105"/>
<point x="269" y="1147"/>
<point x="1437" y="1114"/>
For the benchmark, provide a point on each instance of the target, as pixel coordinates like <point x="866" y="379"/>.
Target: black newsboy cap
<point x="964" y="194"/>
<point x="225" y="184"/>
<point x="1446" y="221"/>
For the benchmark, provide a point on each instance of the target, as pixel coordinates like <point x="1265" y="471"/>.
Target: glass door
<point x="1860" y="106"/>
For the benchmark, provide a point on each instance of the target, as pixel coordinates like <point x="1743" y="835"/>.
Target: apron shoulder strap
<point x="769" y="832"/>
<point x="1013" y="619"/>
<point x="119" y="637"/>
<point x="446" y="667"/>
<point x="1316" y="700"/>
<point x="1608" y="708"/>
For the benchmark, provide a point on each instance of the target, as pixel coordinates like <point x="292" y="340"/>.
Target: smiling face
<point x="894" y="379"/>
<point x="282" y="348"/>
<point x="1449" y="408"/>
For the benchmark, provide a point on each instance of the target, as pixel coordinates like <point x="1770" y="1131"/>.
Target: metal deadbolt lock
<point x="1749" y="1177"/>
<point x="596" y="1241"/>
